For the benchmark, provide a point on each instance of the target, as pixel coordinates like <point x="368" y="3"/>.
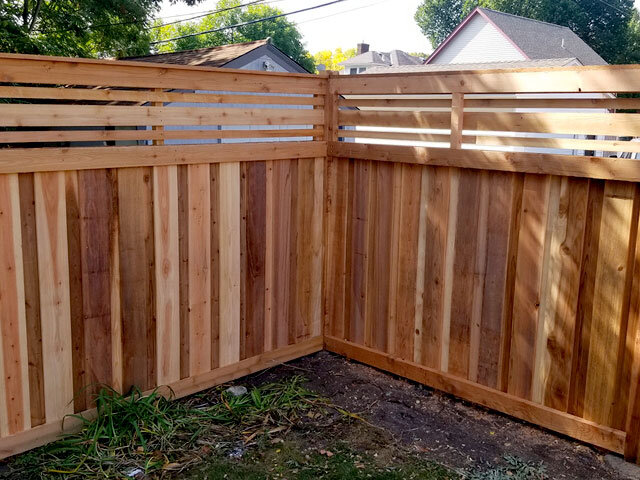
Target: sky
<point x="384" y="24"/>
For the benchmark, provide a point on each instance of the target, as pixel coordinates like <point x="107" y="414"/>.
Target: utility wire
<point x="251" y="22"/>
<point x="342" y="12"/>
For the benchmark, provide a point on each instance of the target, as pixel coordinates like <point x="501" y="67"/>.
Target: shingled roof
<point x="204" y="57"/>
<point x="535" y="39"/>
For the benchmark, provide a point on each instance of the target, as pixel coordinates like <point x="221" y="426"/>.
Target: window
<point x="361" y="69"/>
<point x="353" y="71"/>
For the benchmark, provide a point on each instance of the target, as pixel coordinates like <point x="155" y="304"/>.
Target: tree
<point x="331" y="60"/>
<point x="605" y="26"/>
<point x="83" y="28"/>
<point x="284" y="33"/>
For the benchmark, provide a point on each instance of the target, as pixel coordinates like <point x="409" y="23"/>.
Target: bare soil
<point x="439" y="428"/>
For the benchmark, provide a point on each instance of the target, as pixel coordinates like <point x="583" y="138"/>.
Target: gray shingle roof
<point x="433" y="67"/>
<point x="392" y="58"/>
<point x="542" y="40"/>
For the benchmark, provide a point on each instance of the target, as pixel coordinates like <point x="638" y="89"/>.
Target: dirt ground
<point x="440" y="428"/>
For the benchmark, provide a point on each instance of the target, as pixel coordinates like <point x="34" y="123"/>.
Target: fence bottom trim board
<point x="557" y="421"/>
<point x="49" y="432"/>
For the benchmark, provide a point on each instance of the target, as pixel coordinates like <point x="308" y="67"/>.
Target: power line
<point x="250" y="22"/>
<point x="342" y="12"/>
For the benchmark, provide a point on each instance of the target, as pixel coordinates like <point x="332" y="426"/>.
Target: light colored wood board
<point x="154" y="134"/>
<point x="337" y="188"/>
<point x="567" y="241"/>
<point x="292" y="273"/>
<point x="137" y="277"/>
<point x="32" y="298"/>
<point x="53" y="265"/>
<point x="378" y="281"/>
<point x="199" y="269"/>
<point x="457" y="115"/>
<point x="359" y="251"/>
<point x="495" y="254"/>
<point x="479" y="277"/>
<point x="632" y="427"/>
<point x="407" y="260"/>
<point x="395" y="102"/>
<point x="21" y="160"/>
<point x="254" y="185"/>
<point x="606" y="327"/>
<point x="229" y="277"/>
<point x="566" y="424"/>
<point x="528" y="284"/>
<point x="420" y="270"/>
<point x="605" y="79"/>
<point x="183" y="252"/>
<point x="586" y="295"/>
<point x="95" y="193"/>
<point x="167" y="273"/>
<point x="437" y="229"/>
<point x="463" y="272"/>
<point x="156" y="95"/>
<point x="394" y="119"/>
<point x="565" y="165"/>
<point x="617" y="124"/>
<point x="13" y="320"/>
<point x="215" y="265"/>
<point x="43" y="434"/>
<point x="417" y="137"/>
<point x="563" y="143"/>
<point x="21" y="115"/>
<point x="66" y="71"/>
<point x="449" y="259"/>
<point x="317" y="247"/>
<point x="76" y="302"/>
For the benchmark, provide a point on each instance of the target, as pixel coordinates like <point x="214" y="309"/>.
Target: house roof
<point x="446" y="67"/>
<point x="204" y="57"/>
<point x="394" y="57"/>
<point x="535" y="39"/>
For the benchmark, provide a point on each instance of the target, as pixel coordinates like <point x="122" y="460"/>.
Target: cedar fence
<point x="184" y="226"/>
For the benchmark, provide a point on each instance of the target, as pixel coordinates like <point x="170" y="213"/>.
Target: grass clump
<point x="151" y="433"/>
<point x="515" y="469"/>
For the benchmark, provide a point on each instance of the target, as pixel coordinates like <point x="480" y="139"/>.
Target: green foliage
<point x="610" y="28"/>
<point x="152" y="432"/>
<point x="331" y="59"/>
<point x="284" y="33"/>
<point x="515" y="469"/>
<point x="82" y="28"/>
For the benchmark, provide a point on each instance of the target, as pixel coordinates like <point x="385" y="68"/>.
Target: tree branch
<point x="34" y="15"/>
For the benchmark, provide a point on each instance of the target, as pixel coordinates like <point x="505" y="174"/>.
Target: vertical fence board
<point x="32" y="298"/>
<point x="215" y="265"/>
<point x="229" y="224"/>
<point x="199" y="265"/>
<point x="137" y="277"/>
<point x="55" y="312"/>
<point x="167" y="261"/>
<point x="317" y="248"/>
<point x="183" y="252"/>
<point x="359" y="251"/>
<point x="13" y="320"/>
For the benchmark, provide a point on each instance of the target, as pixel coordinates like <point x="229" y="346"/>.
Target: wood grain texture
<point x="215" y="265"/>
<point x="137" y="277"/>
<point x="199" y="268"/>
<point x="15" y="415"/>
<point x="167" y="273"/>
<point x="53" y="264"/>
<point x="528" y="283"/>
<point x="229" y="224"/>
<point x="32" y="298"/>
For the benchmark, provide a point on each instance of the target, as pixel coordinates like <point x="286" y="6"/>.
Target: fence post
<point x="331" y="109"/>
<point x="457" y="113"/>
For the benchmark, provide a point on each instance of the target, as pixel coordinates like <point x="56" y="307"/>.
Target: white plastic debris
<point x="237" y="391"/>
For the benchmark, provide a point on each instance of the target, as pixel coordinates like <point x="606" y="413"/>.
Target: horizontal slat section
<point x="395" y="119"/>
<point x="416" y="137"/>
<point x="65" y="71"/>
<point x="618" y="124"/>
<point x="567" y="165"/>
<point x="563" y="143"/>
<point x="543" y="416"/>
<point x="20" y="160"/>
<point x="127" y="135"/>
<point x="37" y="436"/>
<point x="98" y="115"/>
<point x="511" y="103"/>
<point x="144" y="96"/>
<point x="600" y="79"/>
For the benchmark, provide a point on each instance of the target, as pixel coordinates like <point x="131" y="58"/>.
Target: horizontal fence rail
<point x="183" y="226"/>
